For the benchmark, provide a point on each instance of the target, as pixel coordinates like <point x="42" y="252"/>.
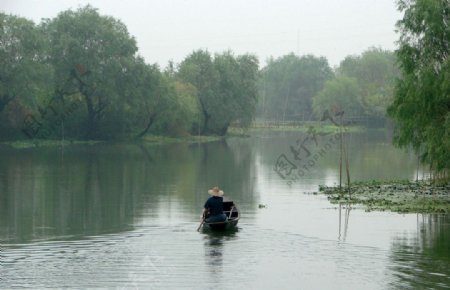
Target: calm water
<point x="125" y="216"/>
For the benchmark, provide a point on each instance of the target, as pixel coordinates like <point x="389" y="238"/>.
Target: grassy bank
<point x="30" y="143"/>
<point x="151" y="139"/>
<point x="314" y="127"/>
<point x="396" y="196"/>
<point x="182" y="139"/>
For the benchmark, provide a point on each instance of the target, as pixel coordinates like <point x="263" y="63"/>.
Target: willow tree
<point x="24" y="77"/>
<point x="89" y="53"/>
<point x="341" y="93"/>
<point x="289" y="83"/>
<point x="421" y="106"/>
<point x="226" y="88"/>
<point x="22" y="71"/>
<point x="375" y="71"/>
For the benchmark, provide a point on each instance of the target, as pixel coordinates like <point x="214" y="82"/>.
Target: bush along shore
<point x="396" y="196"/>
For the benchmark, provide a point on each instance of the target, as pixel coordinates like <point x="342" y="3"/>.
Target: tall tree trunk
<point x="93" y="113"/>
<point x="206" y="118"/>
<point x="149" y="124"/>
<point x="224" y="129"/>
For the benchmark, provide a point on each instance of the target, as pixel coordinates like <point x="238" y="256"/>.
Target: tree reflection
<point x="49" y="196"/>
<point x="343" y="233"/>
<point x="422" y="260"/>
<point x="47" y="193"/>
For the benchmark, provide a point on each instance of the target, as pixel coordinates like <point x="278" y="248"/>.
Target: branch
<point x="149" y="124"/>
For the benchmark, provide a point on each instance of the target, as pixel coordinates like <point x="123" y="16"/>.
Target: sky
<point x="171" y="29"/>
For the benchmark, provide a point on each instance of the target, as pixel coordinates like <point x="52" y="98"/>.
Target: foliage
<point x="368" y="79"/>
<point x="198" y="70"/>
<point x="177" y="109"/>
<point x="237" y="88"/>
<point x="78" y="75"/>
<point x="341" y="93"/>
<point x="90" y="53"/>
<point x="421" y="107"/>
<point x="226" y="88"/>
<point x="23" y="73"/>
<point x="375" y="71"/>
<point x="288" y="84"/>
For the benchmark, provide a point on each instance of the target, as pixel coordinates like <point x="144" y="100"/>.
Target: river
<point x="125" y="216"/>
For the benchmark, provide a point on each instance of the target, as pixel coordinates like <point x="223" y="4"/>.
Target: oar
<point x="201" y="224"/>
<point x="231" y="211"/>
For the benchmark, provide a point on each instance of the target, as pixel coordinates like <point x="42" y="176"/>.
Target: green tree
<point x="421" y="106"/>
<point x="236" y="95"/>
<point x="198" y="70"/>
<point x="89" y="52"/>
<point x="184" y="113"/>
<point x="180" y="114"/>
<point x="341" y="93"/>
<point x="140" y="100"/>
<point x="150" y="102"/>
<point x="375" y="71"/>
<point x="288" y="84"/>
<point x="247" y="97"/>
<point x="24" y="76"/>
<point x="226" y="88"/>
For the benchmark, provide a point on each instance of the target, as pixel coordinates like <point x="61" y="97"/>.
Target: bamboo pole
<point x="347" y="166"/>
<point x="347" y="169"/>
<point x="340" y="210"/>
<point x="340" y="156"/>
<point x="418" y="166"/>
<point x="347" y="217"/>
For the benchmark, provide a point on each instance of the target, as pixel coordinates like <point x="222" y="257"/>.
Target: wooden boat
<point x="232" y="213"/>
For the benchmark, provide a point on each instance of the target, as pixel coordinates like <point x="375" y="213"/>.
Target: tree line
<point x="79" y="75"/>
<point x="301" y="88"/>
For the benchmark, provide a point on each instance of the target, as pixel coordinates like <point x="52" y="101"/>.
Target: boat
<point x="232" y="213"/>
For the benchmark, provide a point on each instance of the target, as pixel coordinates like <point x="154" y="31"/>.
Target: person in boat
<point x="213" y="208"/>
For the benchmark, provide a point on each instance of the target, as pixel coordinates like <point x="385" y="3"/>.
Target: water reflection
<point x="215" y="244"/>
<point x="45" y="196"/>
<point x="421" y="259"/>
<point x="347" y="208"/>
<point x="371" y="156"/>
<point x="149" y="198"/>
<point x="49" y="193"/>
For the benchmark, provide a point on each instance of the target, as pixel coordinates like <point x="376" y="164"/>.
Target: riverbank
<point x="313" y="127"/>
<point x="307" y="127"/>
<point x="31" y="143"/>
<point x="182" y="139"/>
<point x="396" y="196"/>
<point x="149" y="139"/>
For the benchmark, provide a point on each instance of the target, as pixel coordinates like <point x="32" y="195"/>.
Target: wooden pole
<point x="201" y="223"/>
<point x="418" y="164"/>
<point x="340" y="209"/>
<point x="347" y="169"/>
<point x="340" y="156"/>
<point x="231" y="211"/>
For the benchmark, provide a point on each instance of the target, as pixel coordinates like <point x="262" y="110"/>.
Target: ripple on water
<point x="180" y="257"/>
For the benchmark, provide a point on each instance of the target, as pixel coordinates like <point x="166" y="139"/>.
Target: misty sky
<point x="170" y="30"/>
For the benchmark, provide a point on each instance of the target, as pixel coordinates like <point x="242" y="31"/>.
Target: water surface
<point x="125" y="216"/>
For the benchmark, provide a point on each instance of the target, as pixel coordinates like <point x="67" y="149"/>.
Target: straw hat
<point x="215" y="191"/>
